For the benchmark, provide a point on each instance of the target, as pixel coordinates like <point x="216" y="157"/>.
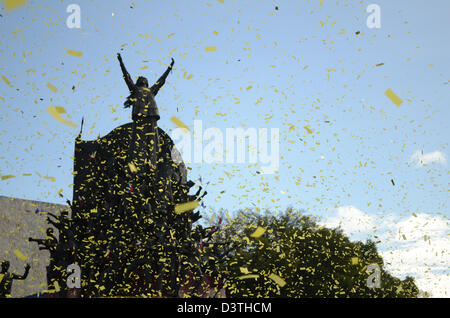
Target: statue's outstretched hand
<point x="172" y="63"/>
<point x="27" y="266"/>
<point x="119" y="57"/>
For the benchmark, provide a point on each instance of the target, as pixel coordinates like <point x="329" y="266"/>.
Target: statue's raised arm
<point x="126" y="75"/>
<point x="162" y="80"/>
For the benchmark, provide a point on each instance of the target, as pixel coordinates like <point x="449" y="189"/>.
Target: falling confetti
<point x="56" y="112"/>
<point x="277" y="279"/>
<point x="184" y="207"/>
<point x="258" y="232"/>
<point x="6" y="177"/>
<point x="52" y="88"/>
<point x="254" y="276"/>
<point x="393" y="97"/>
<point x="179" y="123"/>
<point x="20" y="255"/>
<point x="310" y="131"/>
<point x="14" y="4"/>
<point x="6" y="81"/>
<point x="74" y="53"/>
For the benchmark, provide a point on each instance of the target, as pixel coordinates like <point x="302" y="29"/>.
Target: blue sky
<point x="305" y="64"/>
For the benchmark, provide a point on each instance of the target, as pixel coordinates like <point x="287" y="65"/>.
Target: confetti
<point x="393" y="97"/>
<point x="255" y="276"/>
<point x="258" y="232"/>
<point x="310" y="131"/>
<point x="210" y="49"/>
<point x="20" y="255"/>
<point x="277" y="279"/>
<point x="6" y="81"/>
<point x="56" y="112"/>
<point x="6" y="177"/>
<point x="52" y="88"/>
<point x="184" y="207"/>
<point x="178" y="122"/>
<point x="132" y="167"/>
<point x="14" y="4"/>
<point x="74" y="53"/>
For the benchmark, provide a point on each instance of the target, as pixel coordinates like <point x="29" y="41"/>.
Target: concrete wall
<point x="18" y="221"/>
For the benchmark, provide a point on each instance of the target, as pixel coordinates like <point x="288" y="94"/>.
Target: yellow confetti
<point x="52" y="88"/>
<point x="228" y="216"/>
<point x="310" y="131"/>
<point x="14" y="4"/>
<point x="190" y="76"/>
<point x="132" y="167"/>
<point x="249" y="276"/>
<point x="184" y="207"/>
<point x="75" y="53"/>
<point x="6" y="81"/>
<point x="393" y="97"/>
<point x="20" y="255"/>
<point x="57" y="287"/>
<point x="170" y="35"/>
<point x="277" y="279"/>
<point x="355" y="260"/>
<point x="6" y="177"/>
<point x="52" y="179"/>
<point x="56" y="112"/>
<point x="178" y="122"/>
<point x="258" y="232"/>
<point x="210" y="49"/>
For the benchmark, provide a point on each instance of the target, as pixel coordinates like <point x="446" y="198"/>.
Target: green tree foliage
<point x="307" y="259"/>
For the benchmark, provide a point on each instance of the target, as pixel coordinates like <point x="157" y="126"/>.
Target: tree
<point x="295" y="257"/>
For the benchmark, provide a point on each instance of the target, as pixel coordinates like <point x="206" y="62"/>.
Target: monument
<point x="131" y="231"/>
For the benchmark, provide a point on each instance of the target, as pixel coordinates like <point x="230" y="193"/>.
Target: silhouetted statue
<point x="145" y="111"/>
<point x="51" y="244"/>
<point x="6" y="278"/>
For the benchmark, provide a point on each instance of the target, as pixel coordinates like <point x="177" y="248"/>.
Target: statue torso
<point x="144" y="103"/>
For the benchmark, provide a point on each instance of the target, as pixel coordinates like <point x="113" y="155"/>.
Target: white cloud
<point x="422" y="159"/>
<point x="351" y="220"/>
<point x="417" y="245"/>
<point x="420" y="226"/>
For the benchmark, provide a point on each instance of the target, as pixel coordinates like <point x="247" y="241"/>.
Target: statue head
<point x="5" y="266"/>
<point x="142" y="82"/>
